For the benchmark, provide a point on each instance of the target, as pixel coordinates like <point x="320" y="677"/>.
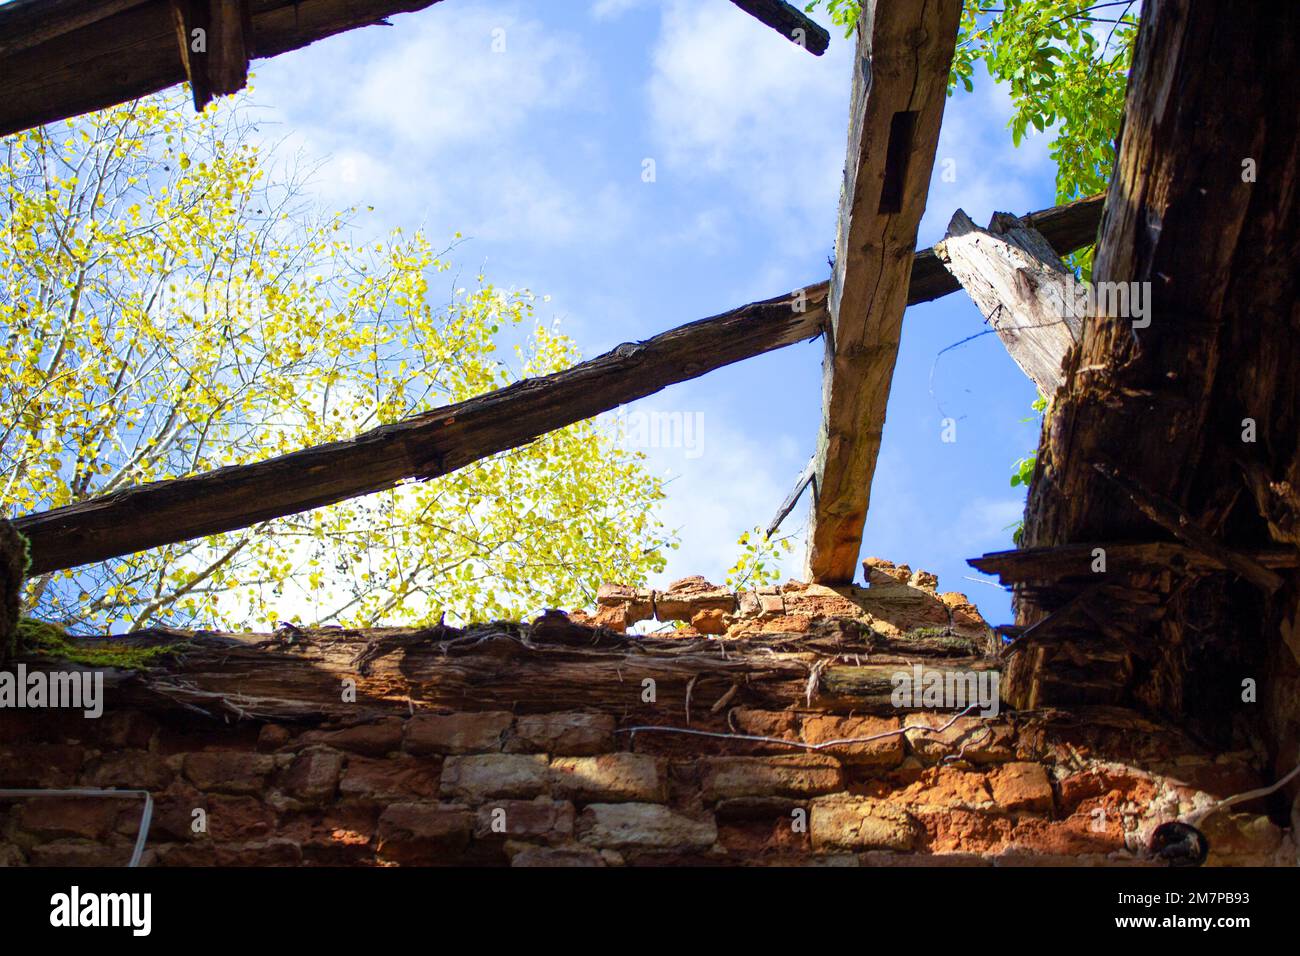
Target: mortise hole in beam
<point x="901" y="130"/>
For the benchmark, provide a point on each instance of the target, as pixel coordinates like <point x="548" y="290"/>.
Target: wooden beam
<point x="171" y="511"/>
<point x="423" y="447"/>
<point x="803" y="481"/>
<point x="101" y="52"/>
<point x="789" y="21"/>
<point x="899" y="86"/>
<point x="1023" y="290"/>
<point x="1203" y="217"/>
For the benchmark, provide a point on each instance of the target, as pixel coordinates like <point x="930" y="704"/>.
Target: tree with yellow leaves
<point x="169" y="306"/>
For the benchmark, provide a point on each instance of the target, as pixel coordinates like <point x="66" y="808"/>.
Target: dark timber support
<point x="1197" y="412"/>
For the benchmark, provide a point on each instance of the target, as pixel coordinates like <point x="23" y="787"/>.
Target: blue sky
<point x="535" y="153"/>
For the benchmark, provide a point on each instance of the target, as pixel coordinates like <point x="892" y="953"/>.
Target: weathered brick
<point x="416" y="833"/>
<point x="40" y="765"/>
<point x="979" y="740"/>
<point x="237" y="819"/>
<point x="87" y="817"/>
<point x="457" y="733"/>
<point x="838" y="823"/>
<point x="539" y="819"/>
<point x="131" y="769"/>
<point x="73" y="853"/>
<point x="1022" y="787"/>
<point x="638" y="603"/>
<point x="481" y="776"/>
<point x="610" y="777"/>
<point x="687" y="597"/>
<point x="399" y="777"/>
<point x="643" y="825"/>
<point x="884" y="752"/>
<point x="796" y="775"/>
<point x="229" y="771"/>
<point x="273" y="852"/>
<point x="373" y="740"/>
<point x="314" y="775"/>
<point x="529" y="856"/>
<point x="570" y="734"/>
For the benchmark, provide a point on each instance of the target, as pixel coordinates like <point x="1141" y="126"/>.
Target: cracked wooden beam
<point x="904" y="52"/>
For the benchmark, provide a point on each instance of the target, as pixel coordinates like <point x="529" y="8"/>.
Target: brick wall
<point x="428" y="785"/>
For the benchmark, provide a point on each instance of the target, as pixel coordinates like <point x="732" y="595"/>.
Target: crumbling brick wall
<point x="564" y="785"/>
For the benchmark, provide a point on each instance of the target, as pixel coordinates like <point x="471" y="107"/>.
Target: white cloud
<point x="729" y="97"/>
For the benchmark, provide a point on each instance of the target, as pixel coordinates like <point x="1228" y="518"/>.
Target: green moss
<point x="921" y="633"/>
<point x="51" y="641"/>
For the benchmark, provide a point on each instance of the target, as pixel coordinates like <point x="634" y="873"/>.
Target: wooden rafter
<point x="170" y="511"/>
<point x="61" y="58"/>
<point x="899" y="85"/>
<point x="789" y="21"/>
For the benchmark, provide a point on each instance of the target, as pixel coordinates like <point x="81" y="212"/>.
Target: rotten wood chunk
<point x="1022" y="289"/>
<point x="789" y="21"/>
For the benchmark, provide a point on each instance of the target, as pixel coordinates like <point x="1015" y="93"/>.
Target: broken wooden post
<point x="899" y="87"/>
<point x="1021" y="287"/>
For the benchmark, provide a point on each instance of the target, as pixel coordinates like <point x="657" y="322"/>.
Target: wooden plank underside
<point x="170" y="511"/>
<point x="789" y="21"/>
<point x="899" y="86"/>
<point x="96" y="53"/>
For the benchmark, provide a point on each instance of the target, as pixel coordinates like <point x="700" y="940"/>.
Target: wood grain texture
<point x="789" y="21"/>
<point x="1021" y="287"/>
<point x="103" y="52"/>
<point x="552" y="664"/>
<point x="900" y="80"/>
<point x="1165" y="406"/>
<point x="84" y="532"/>
<point x="422" y="447"/>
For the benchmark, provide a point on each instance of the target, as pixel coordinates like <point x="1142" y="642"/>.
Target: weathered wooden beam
<point x="550" y="665"/>
<point x="1021" y="287"/>
<point x="899" y="86"/>
<point x="211" y="37"/>
<point x="102" y="52"/>
<point x="423" y="447"/>
<point x="789" y="21"/>
<point x="27" y="23"/>
<point x="129" y="520"/>
<point x="1072" y="562"/>
<point x="1203" y="219"/>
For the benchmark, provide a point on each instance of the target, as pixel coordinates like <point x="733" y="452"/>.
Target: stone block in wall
<point x="883" y="752"/>
<point x="373" y="739"/>
<point x="130" y="769"/>
<point x="649" y="825"/>
<point x="540" y="819"/>
<point x="228" y="771"/>
<point x="687" y="597"/>
<point x="569" y="734"/>
<point x="849" y="823"/>
<point x="272" y="852"/>
<point x="40" y="765"/>
<point x="637" y="603"/>
<point x="46" y="818"/>
<point x="1241" y="839"/>
<point x="237" y="819"/>
<point x="461" y="733"/>
<point x="401" y="777"/>
<point x="610" y="777"/>
<point x="1022" y="787"/>
<point x="481" y="776"/>
<point x="980" y="740"/>
<point x="423" y="833"/>
<point x="796" y="775"/>
<point x="533" y="856"/>
<point x="313" y="777"/>
<point x="947" y="788"/>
